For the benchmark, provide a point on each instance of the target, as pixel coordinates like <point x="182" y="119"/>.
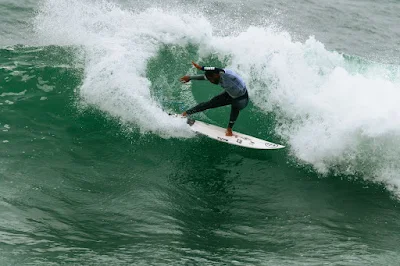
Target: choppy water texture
<point x="93" y="170"/>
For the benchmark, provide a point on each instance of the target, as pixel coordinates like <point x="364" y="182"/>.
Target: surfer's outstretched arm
<point x="187" y="78"/>
<point x="197" y="77"/>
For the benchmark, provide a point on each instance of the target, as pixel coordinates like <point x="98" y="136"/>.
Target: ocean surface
<point x="93" y="170"/>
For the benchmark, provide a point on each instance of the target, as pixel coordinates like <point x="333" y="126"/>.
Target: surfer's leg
<point x="234" y="115"/>
<point x="218" y="101"/>
<point x="237" y="105"/>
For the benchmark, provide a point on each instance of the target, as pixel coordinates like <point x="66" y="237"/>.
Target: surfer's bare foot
<point x="184" y="114"/>
<point x="228" y="132"/>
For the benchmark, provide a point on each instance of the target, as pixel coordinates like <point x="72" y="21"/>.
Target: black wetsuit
<point x="235" y="94"/>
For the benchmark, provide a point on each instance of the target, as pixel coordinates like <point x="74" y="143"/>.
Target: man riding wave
<point x="235" y="92"/>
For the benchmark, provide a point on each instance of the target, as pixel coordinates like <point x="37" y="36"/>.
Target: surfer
<point x="235" y="92"/>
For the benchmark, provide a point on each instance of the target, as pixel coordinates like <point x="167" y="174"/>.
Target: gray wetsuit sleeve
<point x="197" y="77"/>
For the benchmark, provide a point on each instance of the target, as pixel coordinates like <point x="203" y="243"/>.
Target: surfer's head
<point x="213" y="76"/>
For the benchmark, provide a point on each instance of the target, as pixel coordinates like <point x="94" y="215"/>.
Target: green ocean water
<point x="93" y="171"/>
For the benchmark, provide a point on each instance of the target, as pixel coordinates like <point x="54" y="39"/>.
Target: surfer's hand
<point x="228" y="132"/>
<point x="196" y="65"/>
<point x="185" y="79"/>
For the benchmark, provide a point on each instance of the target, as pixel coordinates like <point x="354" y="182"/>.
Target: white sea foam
<point x="117" y="44"/>
<point x="13" y="93"/>
<point x="337" y="115"/>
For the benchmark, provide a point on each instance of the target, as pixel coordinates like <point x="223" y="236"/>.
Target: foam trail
<point x="117" y="44"/>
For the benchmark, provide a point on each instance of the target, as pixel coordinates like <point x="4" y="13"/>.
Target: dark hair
<point x="211" y="73"/>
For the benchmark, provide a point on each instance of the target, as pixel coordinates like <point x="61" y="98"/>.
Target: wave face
<point x="337" y="113"/>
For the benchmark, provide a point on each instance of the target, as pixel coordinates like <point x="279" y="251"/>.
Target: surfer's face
<point x="213" y="78"/>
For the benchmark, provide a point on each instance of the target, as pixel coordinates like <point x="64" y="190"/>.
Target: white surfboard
<point x="239" y="139"/>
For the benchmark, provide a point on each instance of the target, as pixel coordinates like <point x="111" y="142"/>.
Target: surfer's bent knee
<point x="241" y="102"/>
